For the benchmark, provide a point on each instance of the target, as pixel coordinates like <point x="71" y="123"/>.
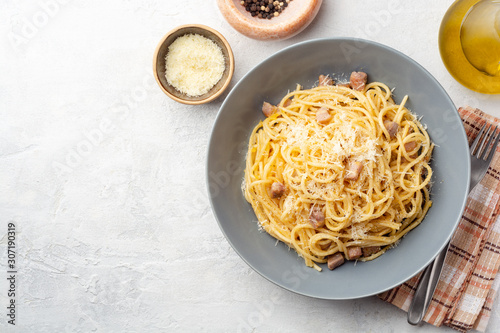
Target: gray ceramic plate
<point x="270" y="81"/>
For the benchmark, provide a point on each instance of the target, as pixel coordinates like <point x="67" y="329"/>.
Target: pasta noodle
<point x="354" y="176"/>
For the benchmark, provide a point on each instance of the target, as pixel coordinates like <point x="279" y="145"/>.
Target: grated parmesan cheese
<point x="194" y="64"/>
<point x="346" y="141"/>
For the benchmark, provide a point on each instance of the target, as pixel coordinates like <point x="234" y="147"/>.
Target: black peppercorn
<point x="266" y="9"/>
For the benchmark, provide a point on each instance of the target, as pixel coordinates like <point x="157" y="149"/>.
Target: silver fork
<point x="480" y="160"/>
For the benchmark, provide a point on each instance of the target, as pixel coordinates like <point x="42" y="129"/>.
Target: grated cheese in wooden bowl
<point x="194" y="64"/>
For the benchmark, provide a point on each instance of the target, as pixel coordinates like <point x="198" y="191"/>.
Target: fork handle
<point x="423" y="294"/>
<point x="427" y="284"/>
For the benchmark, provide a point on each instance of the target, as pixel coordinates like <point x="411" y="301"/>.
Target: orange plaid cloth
<point x="466" y="289"/>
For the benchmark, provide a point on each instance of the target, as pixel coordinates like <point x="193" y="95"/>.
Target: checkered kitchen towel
<point x="467" y="287"/>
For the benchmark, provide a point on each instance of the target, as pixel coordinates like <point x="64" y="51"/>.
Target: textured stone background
<point x="104" y="176"/>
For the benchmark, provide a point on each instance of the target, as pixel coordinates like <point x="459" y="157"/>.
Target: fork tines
<point x="485" y="139"/>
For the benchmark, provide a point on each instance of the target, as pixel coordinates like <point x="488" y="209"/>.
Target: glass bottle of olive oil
<point x="480" y="36"/>
<point x="469" y="43"/>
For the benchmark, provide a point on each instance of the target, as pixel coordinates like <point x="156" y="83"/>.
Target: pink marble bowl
<point x="294" y="18"/>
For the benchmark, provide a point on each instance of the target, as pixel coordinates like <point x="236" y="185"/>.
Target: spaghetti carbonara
<point x="339" y="172"/>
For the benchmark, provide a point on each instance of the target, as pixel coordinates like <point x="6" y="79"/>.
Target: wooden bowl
<point x="294" y="18"/>
<point x="162" y="50"/>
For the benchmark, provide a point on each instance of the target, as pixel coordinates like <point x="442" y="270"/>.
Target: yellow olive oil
<point x="469" y="44"/>
<point x="480" y="36"/>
